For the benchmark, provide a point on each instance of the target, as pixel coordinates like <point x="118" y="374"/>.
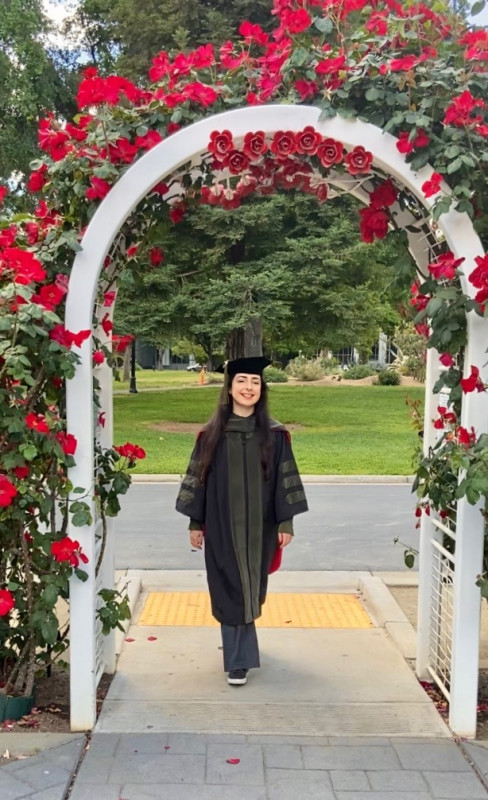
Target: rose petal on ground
<point x="130" y="640"/>
<point x="233" y="760"/>
<point x="152" y="638"/>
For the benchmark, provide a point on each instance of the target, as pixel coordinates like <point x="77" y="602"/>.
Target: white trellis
<point x="460" y="635"/>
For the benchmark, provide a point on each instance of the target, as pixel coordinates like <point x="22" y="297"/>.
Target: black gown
<point x="240" y="513"/>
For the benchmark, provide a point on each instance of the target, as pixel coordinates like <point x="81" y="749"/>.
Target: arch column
<point x="154" y="166"/>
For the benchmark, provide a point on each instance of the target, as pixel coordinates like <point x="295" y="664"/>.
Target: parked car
<point x="194" y="368"/>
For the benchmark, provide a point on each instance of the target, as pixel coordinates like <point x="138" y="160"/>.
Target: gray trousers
<point x="240" y="645"/>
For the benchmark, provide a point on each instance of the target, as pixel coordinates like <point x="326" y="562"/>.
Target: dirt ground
<point x="51" y="712"/>
<point x="406" y="597"/>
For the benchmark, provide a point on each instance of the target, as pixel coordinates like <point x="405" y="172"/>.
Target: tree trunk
<point x="245" y="342"/>
<point x="253" y="338"/>
<point x="126" y="372"/>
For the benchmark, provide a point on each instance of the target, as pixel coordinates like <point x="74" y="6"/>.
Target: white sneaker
<point x="237" y="677"/>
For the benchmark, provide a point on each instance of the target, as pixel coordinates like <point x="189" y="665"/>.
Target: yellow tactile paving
<point x="280" y="611"/>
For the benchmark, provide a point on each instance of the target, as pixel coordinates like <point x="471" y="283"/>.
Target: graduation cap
<point x="247" y="366"/>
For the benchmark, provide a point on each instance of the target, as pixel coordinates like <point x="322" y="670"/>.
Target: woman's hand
<point x="196" y="539"/>
<point x="284" y="539"/>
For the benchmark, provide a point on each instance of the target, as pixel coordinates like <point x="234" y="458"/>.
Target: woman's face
<point x="245" y="391"/>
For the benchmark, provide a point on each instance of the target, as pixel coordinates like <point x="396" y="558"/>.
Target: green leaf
<point x="323" y="24"/>
<point x="49" y="630"/>
<point x="454" y="166"/>
<point x="477" y="7"/>
<point x="50" y="595"/>
<point x="409" y="559"/>
<point x="29" y="451"/>
<point x="372" y="93"/>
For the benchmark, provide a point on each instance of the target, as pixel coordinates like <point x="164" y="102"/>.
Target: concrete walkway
<point x="331" y="715"/>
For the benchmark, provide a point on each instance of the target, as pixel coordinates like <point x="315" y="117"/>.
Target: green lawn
<point x="160" y="379"/>
<point x="346" y="430"/>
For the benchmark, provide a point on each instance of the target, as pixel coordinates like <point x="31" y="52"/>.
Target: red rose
<point x="108" y="298"/>
<point x="404" y="64"/>
<point x="37" y="422"/>
<point x="8" y="236"/>
<point x="473" y="382"/>
<point x="200" y="93"/>
<point x="418" y="301"/>
<point x="253" y="33"/>
<point x="122" y="151"/>
<point x="383" y="195"/>
<point x="78" y="338"/>
<point x="422" y="329"/>
<point x="479" y="276"/>
<point x="68" y="550"/>
<point x="22" y="265"/>
<point x="330" y="66"/>
<point x="255" y="145"/>
<point x="68" y="443"/>
<point x="306" y="89"/>
<point x="149" y="140"/>
<point x="7" y="491"/>
<point x="21" y="472"/>
<point x="296" y="21"/>
<point x="459" y="112"/>
<point x="446" y="360"/>
<point x="130" y="451"/>
<point x="466" y="437"/>
<point x="156" y="256"/>
<point x="98" y="190"/>
<point x="284" y="144"/>
<point x="377" y="23"/>
<point x="432" y="186"/>
<point x="107" y="325"/>
<point x="237" y="162"/>
<point x="374" y="223"/>
<point x="3" y="192"/>
<point x="308" y="140"/>
<point x="358" y="161"/>
<point x="220" y="144"/>
<point x="177" y="212"/>
<point x="404" y="145"/>
<point x="49" y="296"/>
<point x="7" y="601"/>
<point x="132" y="250"/>
<point x="98" y="357"/>
<point x="37" y="179"/>
<point x="32" y="230"/>
<point x="445" y="267"/>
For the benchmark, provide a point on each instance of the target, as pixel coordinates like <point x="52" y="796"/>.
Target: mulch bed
<point x="442" y="705"/>
<point x="51" y="713"/>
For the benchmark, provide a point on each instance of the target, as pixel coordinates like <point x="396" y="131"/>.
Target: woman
<point x="241" y="492"/>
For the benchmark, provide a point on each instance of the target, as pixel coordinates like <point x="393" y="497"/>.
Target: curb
<point x="321" y="479"/>
<point x="389" y="615"/>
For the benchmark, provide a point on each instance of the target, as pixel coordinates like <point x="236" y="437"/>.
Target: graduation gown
<point x="240" y="513"/>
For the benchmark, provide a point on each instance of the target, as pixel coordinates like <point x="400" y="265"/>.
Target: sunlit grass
<point x="343" y="429"/>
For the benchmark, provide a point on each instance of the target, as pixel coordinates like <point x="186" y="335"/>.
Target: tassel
<point x="224" y="395"/>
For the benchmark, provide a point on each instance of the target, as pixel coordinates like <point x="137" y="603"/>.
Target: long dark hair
<point x="214" y="430"/>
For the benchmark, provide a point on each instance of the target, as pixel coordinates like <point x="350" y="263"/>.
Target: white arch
<point x="153" y="167"/>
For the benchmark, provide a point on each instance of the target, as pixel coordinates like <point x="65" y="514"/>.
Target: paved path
<point x="178" y="766"/>
<point x="348" y="527"/>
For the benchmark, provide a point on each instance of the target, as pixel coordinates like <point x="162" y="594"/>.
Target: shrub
<point x="388" y="377"/>
<point x="275" y="375"/>
<point x="330" y="365"/>
<point x="306" y="369"/>
<point x="358" y="371"/>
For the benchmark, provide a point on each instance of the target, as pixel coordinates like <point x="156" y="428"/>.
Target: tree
<point x="283" y="259"/>
<point x="30" y="83"/>
<point x="125" y="35"/>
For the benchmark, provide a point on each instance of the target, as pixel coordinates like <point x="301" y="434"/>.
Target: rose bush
<point x="417" y="73"/>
